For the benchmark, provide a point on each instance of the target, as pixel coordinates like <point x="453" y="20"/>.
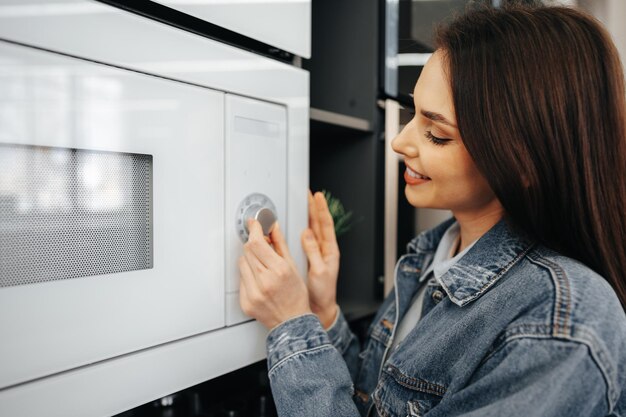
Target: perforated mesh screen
<point x="67" y="213"/>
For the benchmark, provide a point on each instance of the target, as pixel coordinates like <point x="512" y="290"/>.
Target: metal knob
<point x="263" y="215"/>
<point x="259" y="207"/>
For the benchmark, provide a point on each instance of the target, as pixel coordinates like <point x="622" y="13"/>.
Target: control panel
<point x="256" y="181"/>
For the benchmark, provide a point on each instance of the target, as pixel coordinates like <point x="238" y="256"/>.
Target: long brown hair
<point x="540" y="104"/>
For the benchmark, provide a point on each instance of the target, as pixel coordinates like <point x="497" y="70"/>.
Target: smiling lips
<point x="414" y="178"/>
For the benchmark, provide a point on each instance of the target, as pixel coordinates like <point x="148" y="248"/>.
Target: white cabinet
<point x="285" y="24"/>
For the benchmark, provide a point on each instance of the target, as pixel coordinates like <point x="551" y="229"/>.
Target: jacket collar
<point x="482" y="266"/>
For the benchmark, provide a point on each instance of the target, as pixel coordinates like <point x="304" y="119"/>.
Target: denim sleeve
<point x="532" y="377"/>
<point x="345" y="342"/>
<point x="308" y="375"/>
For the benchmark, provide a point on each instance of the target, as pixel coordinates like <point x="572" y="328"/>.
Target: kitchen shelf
<point x="340" y="120"/>
<point x="346" y="151"/>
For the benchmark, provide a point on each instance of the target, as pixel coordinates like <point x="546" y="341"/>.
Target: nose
<point x="404" y="143"/>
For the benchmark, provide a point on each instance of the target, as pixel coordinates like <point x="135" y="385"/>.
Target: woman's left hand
<point x="270" y="290"/>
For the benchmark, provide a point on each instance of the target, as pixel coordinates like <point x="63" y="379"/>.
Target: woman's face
<point x="432" y="148"/>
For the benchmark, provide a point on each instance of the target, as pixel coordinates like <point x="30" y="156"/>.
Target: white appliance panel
<point x="256" y="162"/>
<point x="111" y="387"/>
<point x="96" y="31"/>
<point x="50" y="100"/>
<point x="285" y="24"/>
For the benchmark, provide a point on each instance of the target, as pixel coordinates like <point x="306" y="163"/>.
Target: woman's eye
<point x="435" y="139"/>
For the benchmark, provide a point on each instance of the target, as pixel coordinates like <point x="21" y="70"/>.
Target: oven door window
<point x="68" y="213"/>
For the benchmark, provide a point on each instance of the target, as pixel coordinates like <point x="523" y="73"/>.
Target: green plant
<point x="342" y="219"/>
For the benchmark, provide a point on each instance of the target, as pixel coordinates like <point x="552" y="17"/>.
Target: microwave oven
<point x="130" y="152"/>
<point x="284" y="24"/>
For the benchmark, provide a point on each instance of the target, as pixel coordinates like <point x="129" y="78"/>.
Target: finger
<point x="255" y="264"/>
<point x="327" y="225"/>
<point x="312" y="250"/>
<point x="280" y="244"/>
<point x="313" y="217"/>
<point x="259" y="247"/>
<point x="249" y="281"/>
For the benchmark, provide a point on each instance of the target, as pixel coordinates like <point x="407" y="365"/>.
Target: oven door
<point x="111" y="212"/>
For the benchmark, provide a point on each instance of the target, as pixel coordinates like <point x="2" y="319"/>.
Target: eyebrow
<point x="436" y="117"/>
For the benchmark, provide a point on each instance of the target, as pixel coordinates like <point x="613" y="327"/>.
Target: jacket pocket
<point x="405" y="396"/>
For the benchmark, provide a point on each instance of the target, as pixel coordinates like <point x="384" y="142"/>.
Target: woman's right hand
<point x="320" y="245"/>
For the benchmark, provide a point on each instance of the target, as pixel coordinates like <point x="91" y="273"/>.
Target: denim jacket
<point x="512" y="329"/>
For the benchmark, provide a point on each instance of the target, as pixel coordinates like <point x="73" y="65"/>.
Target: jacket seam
<point x="562" y="303"/>
<point x="562" y="325"/>
<point x="420" y="385"/>
<point x="502" y="341"/>
<point x="379" y="409"/>
<point x="300" y="352"/>
<point x="590" y="348"/>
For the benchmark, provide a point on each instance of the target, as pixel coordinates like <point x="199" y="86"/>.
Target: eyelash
<point x="434" y="139"/>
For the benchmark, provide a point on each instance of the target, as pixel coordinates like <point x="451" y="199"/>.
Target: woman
<point x="511" y="308"/>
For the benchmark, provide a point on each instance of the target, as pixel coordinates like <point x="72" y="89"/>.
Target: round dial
<point x="256" y="206"/>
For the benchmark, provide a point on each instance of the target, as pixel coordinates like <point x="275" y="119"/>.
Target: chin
<point x="420" y="202"/>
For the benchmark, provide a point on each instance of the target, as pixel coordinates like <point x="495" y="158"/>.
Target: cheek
<point x="449" y="166"/>
<point x="457" y="179"/>
<point x="470" y="187"/>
